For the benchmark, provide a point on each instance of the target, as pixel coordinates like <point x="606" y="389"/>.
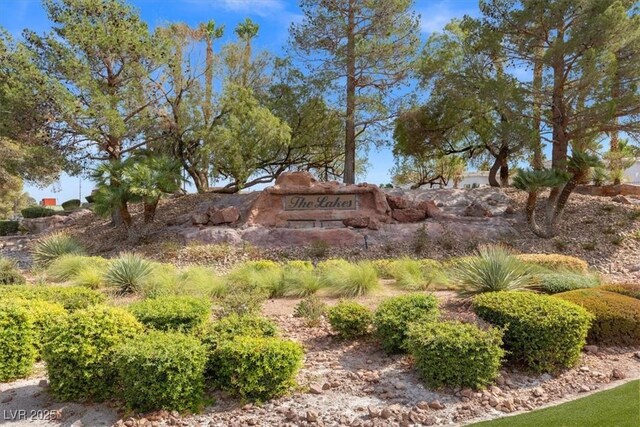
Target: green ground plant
<point x="181" y="314"/>
<point x="16" y="341"/>
<point x="70" y="297"/>
<point x="628" y="289"/>
<point x="493" y="269"/>
<point x="67" y="267"/>
<point x="393" y="316"/>
<point x="53" y="246"/>
<point x="161" y="370"/>
<point x="9" y="273"/>
<point x="350" y="319"/>
<point x="553" y="283"/>
<point x="455" y="354"/>
<point x="350" y="280"/>
<point x="127" y="273"/>
<point x="311" y="309"/>
<point x="556" y="262"/>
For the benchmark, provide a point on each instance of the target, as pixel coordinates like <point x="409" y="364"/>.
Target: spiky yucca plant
<point x="53" y="246"/>
<point x="127" y="273"/>
<point x="494" y="268"/>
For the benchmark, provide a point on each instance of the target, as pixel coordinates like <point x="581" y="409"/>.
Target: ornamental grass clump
<point x="393" y="316"/>
<point x="543" y="332"/>
<point x="311" y="309"/>
<point x="79" y="352"/>
<point x="415" y="275"/>
<point x="300" y="282"/>
<point x="67" y="267"/>
<point x="201" y="282"/>
<point x="53" y="246"/>
<point x="127" y="273"/>
<point x="350" y="280"/>
<point x="172" y="313"/>
<point x="350" y="319"/>
<point x="9" y="273"/>
<point x="617" y="317"/>
<point x="161" y="370"/>
<point x="455" y="354"/>
<point x="257" y="276"/>
<point x="17" y="351"/>
<point x="493" y="269"/>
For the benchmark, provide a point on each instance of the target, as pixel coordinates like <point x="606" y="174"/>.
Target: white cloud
<point x="250" y="7"/>
<point x="436" y="15"/>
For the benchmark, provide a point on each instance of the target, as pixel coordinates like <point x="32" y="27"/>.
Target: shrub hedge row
<point x="71" y="297"/>
<point x="628" y="289"/>
<point x="17" y="353"/>
<point x="617" y="317"/>
<point x="545" y="333"/>
<point x="556" y="262"/>
<point x="9" y="227"/>
<point x="182" y="314"/>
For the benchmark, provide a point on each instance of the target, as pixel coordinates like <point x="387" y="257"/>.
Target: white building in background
<point x="481" y="178"/>
<point x="632" y="175"/>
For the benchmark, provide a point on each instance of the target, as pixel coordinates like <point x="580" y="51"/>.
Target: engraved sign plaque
<point x="308" y="202"/>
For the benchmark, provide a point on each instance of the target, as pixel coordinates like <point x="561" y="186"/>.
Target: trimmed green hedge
<point x="617" y="317"/>
<point x="231" y="327"/>
<point x="393" y="316"/>
<point x="17" y="354"/>
<point x="37" y="212"/>
<point x="455" y="354"/>
<point x="629" y="289"/>
<point x="556" y="262"/>
<point x="45" y="315"/>
<point x="544" y="332"/>
<point x="161" y="370"/>
<point x="71" y="297"/>
<point x="79" y="353"/>
<point x="349" y="319"/>
<point x="553" y="283"/>
<point x="258" y="368"/>
<point x="182" y="314"/>
<point x="9" y="227"/>
<point x="72" y="204"/>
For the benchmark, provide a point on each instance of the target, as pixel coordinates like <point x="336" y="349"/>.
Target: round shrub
<point x="455" y="354"/>
<point x="71" y="297"/>
<point x="553" y="283"/>
<point x="231" y="327"/>
<point x="183" y="314"/>
<point x="9" y="273"/>
<point x="17" y="353"/>
<point x="349" y="319"/>
<point x="556" y="262"/>
<point x="393" y="316"/>
<point x="629" y="289"/>
<point x="9" y="227"/>
<point x="258" y="368"/>
<point x="617" y="317"/>
<point x="545" y="333"/>
<point x="79" y="353"/>
<point x="45" y="316"/>
<point x="72" y="204"/>
<point x="161" y="370"/>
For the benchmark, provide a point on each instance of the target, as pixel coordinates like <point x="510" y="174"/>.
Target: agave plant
<point x="54" y="246"/>
<point x="494" y="268"/>
<point x="128" y="273"/>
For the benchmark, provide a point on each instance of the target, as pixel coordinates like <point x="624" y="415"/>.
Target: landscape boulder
<point x="226" y="215"/>
<point x="411" y="214"/>
<point x="199" y="218"/>
<point x="356" y="222"/>
<point x="477" y="209"/>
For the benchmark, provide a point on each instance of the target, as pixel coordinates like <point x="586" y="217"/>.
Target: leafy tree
<point x="13" y="199"/>
<point x="364" y="47"/>
<point x="474" y="106"/>
<point x="433" y="171"/>
<point x="27" y="152"/>
<point x="580" y="40"/>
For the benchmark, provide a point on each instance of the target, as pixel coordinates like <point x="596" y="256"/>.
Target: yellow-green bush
<point x="71" y="297"/>
<point x="182" y="314"/>
<point x="79" y="353"/>
<point x="544" y="332"/>
<point x="17" y="353"/>
<point x="455" y="354"/>
<point x="350" y="319"/>
<point x="350" y="279"/>
<point x="258" y="368"/>
<point x="556" y="262"/>
<point x="161" y="370"/>
<point x="67" y="267"/>
<point x="617" y="317"/>
<point x="628" y="289"/>
<point x="45" y="316"/>
<point x="393" y="316"/>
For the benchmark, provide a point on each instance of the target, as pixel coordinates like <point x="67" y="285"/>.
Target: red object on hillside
<point x="48" y="202"/>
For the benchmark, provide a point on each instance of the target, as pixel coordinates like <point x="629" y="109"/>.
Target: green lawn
<point x="618" y="407"/>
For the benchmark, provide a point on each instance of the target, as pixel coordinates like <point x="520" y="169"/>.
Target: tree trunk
<point x="504" y="174"/>
<point x="493" y="182"/>
<point x="150" y="211"/>
<point x="537" y="162"/>
<point x="208" y="81"/>
<point x="616" y="161"/>
<point x="500" y="165"/>
<point x="350" y="129"/>
<point x="199" y="177"/>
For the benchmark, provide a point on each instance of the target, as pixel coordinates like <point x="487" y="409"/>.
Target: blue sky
<point x="274" y="17"/>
